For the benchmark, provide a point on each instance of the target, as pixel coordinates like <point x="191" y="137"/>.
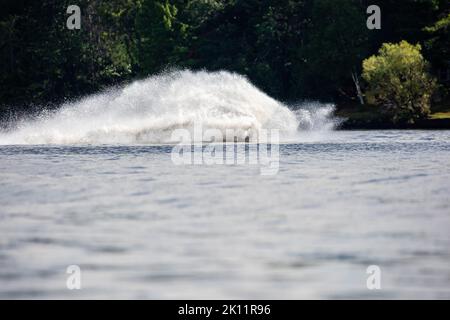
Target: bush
<point x="398" y="81"/>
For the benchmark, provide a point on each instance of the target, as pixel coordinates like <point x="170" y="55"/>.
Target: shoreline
<point x="429" y="124"/>
<point x="357" y="117"/>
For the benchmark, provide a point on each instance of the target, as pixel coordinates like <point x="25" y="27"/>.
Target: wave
<point x="148" y="111"/>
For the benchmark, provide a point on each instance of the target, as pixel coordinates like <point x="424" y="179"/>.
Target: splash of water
<point x="148" y="111"/>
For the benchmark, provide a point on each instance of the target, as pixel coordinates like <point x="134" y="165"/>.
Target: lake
<point x="139" y="226"/>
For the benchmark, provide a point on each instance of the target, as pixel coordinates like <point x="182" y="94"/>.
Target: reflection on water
<point x="140" y="227"/>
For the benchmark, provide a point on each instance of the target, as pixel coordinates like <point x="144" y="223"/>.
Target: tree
<point x="45" y="62"/>
<point x="398" y="81"/>
<point x="291" y="49"/>
<point x="335" y="43"/>
<point x="162" y="35"/>
<point x="252" y="37"/>
<point x="438" y="48"/>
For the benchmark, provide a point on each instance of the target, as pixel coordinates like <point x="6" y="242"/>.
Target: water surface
<point x="141" y="227"/>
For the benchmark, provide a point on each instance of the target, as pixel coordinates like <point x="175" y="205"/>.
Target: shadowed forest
<point x="292" y="50"/>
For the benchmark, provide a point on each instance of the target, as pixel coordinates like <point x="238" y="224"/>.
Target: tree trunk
<point x="358" y="87"/>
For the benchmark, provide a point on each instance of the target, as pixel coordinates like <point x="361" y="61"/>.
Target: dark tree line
<point x="292" y="49"/>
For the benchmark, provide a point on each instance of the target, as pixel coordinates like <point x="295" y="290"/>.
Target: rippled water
<point x="140" y="227"/>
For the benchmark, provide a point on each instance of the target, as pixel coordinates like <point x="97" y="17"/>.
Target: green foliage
<point x="255" y="38"/>
<point x="438" y="49"/>
<point x="336" y="41"/>
<point x="399" y="82"/>
<point x="46" y="62"/>
<point x="292" y="49"/>
<point x="161" y="35"/>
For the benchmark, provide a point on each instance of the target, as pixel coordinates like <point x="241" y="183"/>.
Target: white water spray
<point x="148" y="111"/>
